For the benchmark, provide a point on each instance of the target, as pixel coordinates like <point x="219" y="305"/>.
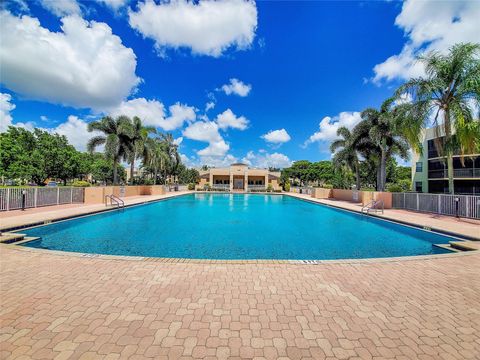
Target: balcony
<point x="220" y="187"/>
<point x="457" y="173"/>
<point x="466" y="173"/>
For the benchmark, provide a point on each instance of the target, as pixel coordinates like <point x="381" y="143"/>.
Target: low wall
<point x="96" y="195"/>
<point x="364" y="197"/>
<point x="321" y="193"/>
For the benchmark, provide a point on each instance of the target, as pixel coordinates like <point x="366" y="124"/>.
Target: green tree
<point x="345" y="152"/>
<point x="449" y="91"/>
<point x="16" y="148"/>
<point x="173" y="157"/>
<point x="383" y="135"/>
<point x="157" y="158"/>
<point x="321" y="172"/>
<point x="188" y="176"/>
<point x="299" y="170"/>
<point x="37" y="156"/>
<point x="117" y="139"/>
<point x="139" y="135"/>
<point x="102" y="171"/>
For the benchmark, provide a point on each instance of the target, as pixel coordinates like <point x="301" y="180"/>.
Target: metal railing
<point x="374" y="205"/>
<point x="457" y="173"/>
<point x="456" y="205"/>
<point x="259" y="188"/>
<point x="114" y="199"/>
<point x="220" y="187"/>
<point x="12" y="198"/>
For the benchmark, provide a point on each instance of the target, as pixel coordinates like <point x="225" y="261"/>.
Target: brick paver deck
<point x="63" y="306"/>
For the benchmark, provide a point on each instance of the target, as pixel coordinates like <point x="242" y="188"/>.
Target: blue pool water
<point x="236" y="226"/>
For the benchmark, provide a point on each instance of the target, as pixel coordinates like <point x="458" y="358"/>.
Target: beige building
<point x="239" y="177"/>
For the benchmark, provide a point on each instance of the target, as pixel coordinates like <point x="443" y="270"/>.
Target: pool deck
<point x="58" y="306"/>
<point x="67" y="306"/>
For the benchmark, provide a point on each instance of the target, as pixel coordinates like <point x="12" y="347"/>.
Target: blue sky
<point x="279" y="77"/>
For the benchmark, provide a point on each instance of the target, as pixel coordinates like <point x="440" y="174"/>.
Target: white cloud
<point x="152" y="113"/>
<point x="114" y="4"/>
<point x="5" y="108"/>
<point x="405" y="98"/>
<point x="229" y="119"/>
<point x="207" y="131"/>
<point x="76" y="131"/>
<point x="61" y="8"/>
<point x="6" y="119"/>
<point x="43" y="118"/>
<point x="83" y="66"/>
<point x="328" y="126"/>
<point x="276" y="136"/>
<point x="429" y="25"/>
<point x="236" y="87"/>
<point x="178" y="141"/>
<point x="74" y="128"/>
<point x="20" y="5"/>
<point x="215" y="161"/>
<point x="209" y="105"/>
<point x="206" y="27"/>
<point x="215" y="149"/>
<point x="189" y="161"/>
<point x="266" y="160"/>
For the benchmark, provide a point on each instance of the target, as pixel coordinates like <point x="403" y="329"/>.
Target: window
<point x="418" y="186"/>
<point x="419" y="166"/>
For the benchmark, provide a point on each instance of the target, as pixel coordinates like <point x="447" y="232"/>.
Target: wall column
<point x="211" y="179"/>
<point x="266" y="181"/>
<point x="231" y="182"/>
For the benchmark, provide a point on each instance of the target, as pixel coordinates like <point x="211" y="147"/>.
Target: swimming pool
<point x="236" y="226"/>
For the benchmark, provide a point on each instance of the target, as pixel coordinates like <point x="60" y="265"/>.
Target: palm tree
<point x="139" y="136"/>
<point x="171" y="150"/>
<point x="156" y="157"/>
<point x="345" y="150"/>
<point x="384" y="138"/>
<point x="117" y="139"/>
<point x="449" y="92"/>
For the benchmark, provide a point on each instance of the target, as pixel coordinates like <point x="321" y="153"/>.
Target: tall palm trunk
<point x="115" y="175"/>
<point x="377" y="185"/>
<point x="451" y="187"/>
<point x="155" y="177"/>
<point x="357" y="174"/>
<point x="383" y="160"/>
<point x="448" y="134"/>
<point x="132" y="168"/>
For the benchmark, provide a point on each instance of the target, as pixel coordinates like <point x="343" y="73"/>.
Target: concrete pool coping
<point x="240" y="261"/>
<point x="454" y="236"/>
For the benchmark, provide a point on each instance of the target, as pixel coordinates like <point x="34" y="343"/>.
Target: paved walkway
<point x="61" y="306"/>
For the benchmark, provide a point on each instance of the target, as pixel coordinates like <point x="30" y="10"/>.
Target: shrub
<point x="269" y="188"/>
<point x="406" y="184"/>
<point x="191" y="186"/>
<point x="286" y="186"/>
<point x="367" y="189"/>
<point x="394" y="188"/>
<point x="327" y="186"/>
<point x="81" y="183"/>
<point x="206" y="186"/>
